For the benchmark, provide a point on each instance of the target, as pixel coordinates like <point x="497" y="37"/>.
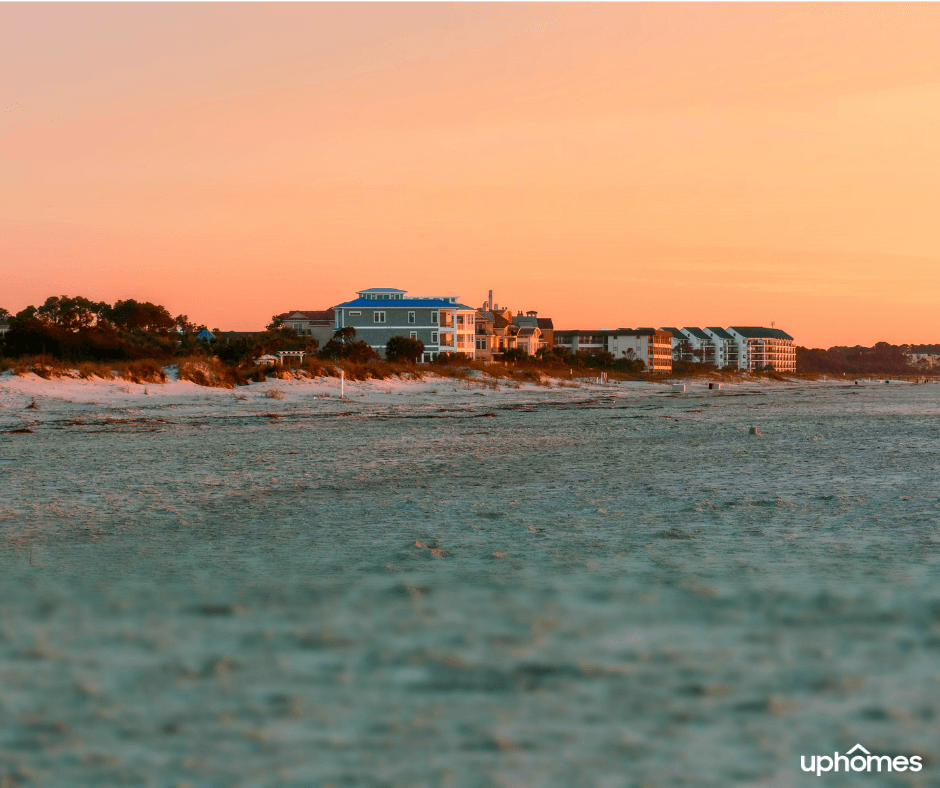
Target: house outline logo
<point x="859" y="759"/>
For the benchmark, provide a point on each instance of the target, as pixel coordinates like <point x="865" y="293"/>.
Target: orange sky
<point x="608" y="165"/>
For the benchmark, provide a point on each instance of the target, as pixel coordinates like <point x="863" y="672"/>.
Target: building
<point x="4" y="327"/>
<point x="499" y="330"/>
<point x="681" y="347"/>
<point x="528" y="338"/>
<point x="531" y="319"/>
<point x="380" y="313"/>
<point x="311" y="323"/>
<point x="764" y="348"/>
<point x="577" y="341"/>
<point x="726" y="348"/>
<point x="924" y="360"/>
<point x="650" y="345"/>
<point x="703" y="348"/>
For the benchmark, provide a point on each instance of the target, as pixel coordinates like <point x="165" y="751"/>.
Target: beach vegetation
<point x="404" y="349"/>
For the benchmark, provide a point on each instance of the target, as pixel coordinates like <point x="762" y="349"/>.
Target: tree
<point x="182" y="324"/>
<point x="131" y="315"/>
<point x="73" y="314"/>
<point x="276" y="322"/>
<point x="4" y="314"/>
<point x="338" y="346"/>
<point x="404" y="349"/>
<point x="360" y="353"/>
<point x="49" y="311"/>
<point x="345" y="335"/>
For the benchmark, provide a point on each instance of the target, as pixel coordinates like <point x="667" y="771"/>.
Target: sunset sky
<point x="608" y="165"/>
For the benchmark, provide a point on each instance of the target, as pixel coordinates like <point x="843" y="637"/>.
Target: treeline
<point x="883" y="358"/>
<point x="78" y="329"/>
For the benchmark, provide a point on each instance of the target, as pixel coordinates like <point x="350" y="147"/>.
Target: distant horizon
<point x="648" y="164"/>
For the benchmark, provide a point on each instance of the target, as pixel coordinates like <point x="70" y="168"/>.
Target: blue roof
<point x="382" y="290"/>
<point x="411" y="303"/>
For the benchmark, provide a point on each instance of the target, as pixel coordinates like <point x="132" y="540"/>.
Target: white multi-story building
<point x="764" y="348"/>
<point x="726" y="348"/>
<point x="651" y="346"/>
<point x="744" y="347"/>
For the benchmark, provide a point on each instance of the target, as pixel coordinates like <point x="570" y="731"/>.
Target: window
<point x="414" y="334"/>
<point x="459" y="320"/>
<point x="434" y="337"/>
<point x="434" y="316"/>
<point x="411" y="317"/>
<point x="355" y="313"/>
<point x="298" y="326"/>
<point x="378" y="317"/>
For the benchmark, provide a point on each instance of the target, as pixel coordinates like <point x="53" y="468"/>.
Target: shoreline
<point x="30" y="393"/>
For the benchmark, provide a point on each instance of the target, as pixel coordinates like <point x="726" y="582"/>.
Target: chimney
<point x="491" y="300"/>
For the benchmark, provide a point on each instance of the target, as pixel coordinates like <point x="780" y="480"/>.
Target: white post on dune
<point x="342" y="384"/>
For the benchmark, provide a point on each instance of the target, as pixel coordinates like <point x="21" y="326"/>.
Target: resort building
<point x="764" y="348"/>
<point x="380" y="313"/>
<point x="742" y="348"/>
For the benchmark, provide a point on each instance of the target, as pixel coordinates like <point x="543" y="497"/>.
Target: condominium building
<point x="380" y="313"/>
<point x="762" y="348"/>
<point x="726" y="348"/>
<point x="744" y="347"/>
<point x="650" y="345"/>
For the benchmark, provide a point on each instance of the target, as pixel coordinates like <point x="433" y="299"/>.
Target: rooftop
<point x="719" y="332"/>
<point x="326" y="315"/>
<point x="400" y="303"/>
<point x="759" y="332"/>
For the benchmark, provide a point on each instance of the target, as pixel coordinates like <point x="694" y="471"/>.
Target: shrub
<point x="516" y="354"/>
<point x="208" y="372"/>
<point x="143" y="371"/>
<point x="90" y="370"/>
